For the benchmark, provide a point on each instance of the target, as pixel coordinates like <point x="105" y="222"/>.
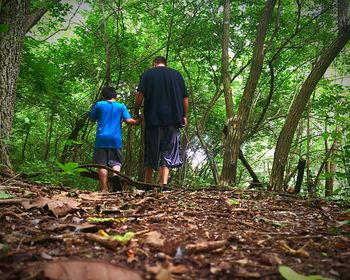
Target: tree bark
<point x="285" y="138"/>
<point x="14" y="14"/>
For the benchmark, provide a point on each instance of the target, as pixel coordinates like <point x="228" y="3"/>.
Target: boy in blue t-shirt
<point x="108" y="144"/>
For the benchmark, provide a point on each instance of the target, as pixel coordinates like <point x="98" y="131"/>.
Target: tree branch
<point x="37" y="14"/>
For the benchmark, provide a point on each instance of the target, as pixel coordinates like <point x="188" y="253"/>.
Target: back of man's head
<point x="159" y="60"/>
<point x="109" y="93"/>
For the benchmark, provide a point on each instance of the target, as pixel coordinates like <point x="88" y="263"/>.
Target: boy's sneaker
<point x="116" y="184"/>
<point x="165" y="188"/>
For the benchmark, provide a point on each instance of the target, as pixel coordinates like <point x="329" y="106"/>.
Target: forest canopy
<point x="268" y="83"/>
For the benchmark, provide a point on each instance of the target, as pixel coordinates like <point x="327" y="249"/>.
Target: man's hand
<point x="184" y="122"/>
<point x="138" y="120"/>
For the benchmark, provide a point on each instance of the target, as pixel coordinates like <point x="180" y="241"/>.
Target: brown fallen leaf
<point x="270" y="259"/>
<point x="160" y="272"/>
<point x="154" y="238"/>
<point x="59" y="205"/>
<point x="81" y="270"/>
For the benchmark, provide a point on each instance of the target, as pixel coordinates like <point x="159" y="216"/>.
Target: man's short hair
<point x="109" y="93"/>
<point x="159" y="60"/>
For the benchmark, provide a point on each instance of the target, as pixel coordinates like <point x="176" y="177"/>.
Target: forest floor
<point x="49" y="232"/>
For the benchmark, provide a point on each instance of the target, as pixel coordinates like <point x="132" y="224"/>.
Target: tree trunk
<point x="301" y="169"/>
<point x="13" y="14"/>
<point x="236" y="126"/>
<point x="228" y="172"/>
<point x="255" y="183"/>
<point x="48" y="137"/>
<point x="24" y="147"/>
<point x="285" y="138"/>
<point x="80" y="123"/>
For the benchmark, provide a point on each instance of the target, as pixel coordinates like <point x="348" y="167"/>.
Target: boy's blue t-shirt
<point x="109" y="115"/>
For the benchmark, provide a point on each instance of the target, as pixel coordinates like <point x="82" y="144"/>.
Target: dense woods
<point x="268" y="84"/>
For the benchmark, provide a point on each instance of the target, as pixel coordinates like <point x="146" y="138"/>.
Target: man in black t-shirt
<point x="165" y="107"/>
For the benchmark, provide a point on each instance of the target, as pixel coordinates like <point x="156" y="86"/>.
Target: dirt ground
<point x="48" y="232"/>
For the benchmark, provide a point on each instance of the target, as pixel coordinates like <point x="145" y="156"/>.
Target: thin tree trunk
<point x="301" y="169"/>
<point x="48" y="138"/>
<point x="25" y="143"/>
<point x="255" y="183"/>
<point x="128" y="152"/>
<point x="140" y="172"/>
<point x="328" y="154"/>
<point x="298" y="106"/>
<point x="79" y="125"/>
<point x="228" y="172"/>
<point x="237" y="125"/>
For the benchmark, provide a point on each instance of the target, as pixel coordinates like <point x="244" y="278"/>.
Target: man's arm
<point x="138" y="102"/>
<point x="185" y="104"/>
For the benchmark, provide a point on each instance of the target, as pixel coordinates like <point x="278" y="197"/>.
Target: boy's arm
<point x="128" y="119"/>
<point x="133" y="121"/>
<point x="93" y="113"/>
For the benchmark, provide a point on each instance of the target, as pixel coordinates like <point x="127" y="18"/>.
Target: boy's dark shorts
<point x="162" y="146"/>
<point x="107" y="156"/>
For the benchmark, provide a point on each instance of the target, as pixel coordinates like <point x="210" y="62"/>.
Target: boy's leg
<point x="116" y="184"/>
<point x="103" y="176"/>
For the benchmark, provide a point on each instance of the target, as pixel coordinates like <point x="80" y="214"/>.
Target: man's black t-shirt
<point x="163" y="89"/>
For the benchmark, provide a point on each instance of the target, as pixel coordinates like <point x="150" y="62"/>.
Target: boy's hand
<point x="138" y="120"/>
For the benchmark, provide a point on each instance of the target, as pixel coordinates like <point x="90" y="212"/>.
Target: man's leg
<point x="103" y="176"/>
<point x="148" y="174"/>
<point x="164" y="175"/>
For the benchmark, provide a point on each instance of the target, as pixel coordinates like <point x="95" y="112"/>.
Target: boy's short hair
<point x="109" y="93"/>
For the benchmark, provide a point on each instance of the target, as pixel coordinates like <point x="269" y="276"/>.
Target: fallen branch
<point x="205" y="246"/>
<point x="13" y="201"/>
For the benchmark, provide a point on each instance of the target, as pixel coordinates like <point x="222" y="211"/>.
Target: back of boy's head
<point x="109" y="93"/>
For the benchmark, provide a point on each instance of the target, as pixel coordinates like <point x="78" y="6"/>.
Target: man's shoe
<point x="116" y="184"/>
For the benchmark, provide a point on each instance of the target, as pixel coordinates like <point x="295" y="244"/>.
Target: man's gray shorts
<point x="107" y="156"/>
<point x="162" y="147"/>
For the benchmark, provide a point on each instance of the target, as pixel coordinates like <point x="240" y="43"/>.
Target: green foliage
<point x="60" y="78"/>
<point x="70" y="168"/>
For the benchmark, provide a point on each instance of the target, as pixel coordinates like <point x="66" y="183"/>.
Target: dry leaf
<point x="154" y="238"/>
<point x="59" y="205"/>
<point x="82" y="270"/>
<point x="159" y="271"/>
<point x="300" y="252"/>
<point x="270" y="259"/>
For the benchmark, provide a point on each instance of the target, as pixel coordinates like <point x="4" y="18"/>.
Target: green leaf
<point x="5" y="195"/>
<point x="123" y="239"/>
<point x="233" y="201"/>
<point x="290" y="274"/>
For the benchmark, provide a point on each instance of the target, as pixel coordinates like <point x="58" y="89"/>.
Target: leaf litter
<point x="205" y="234"/>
